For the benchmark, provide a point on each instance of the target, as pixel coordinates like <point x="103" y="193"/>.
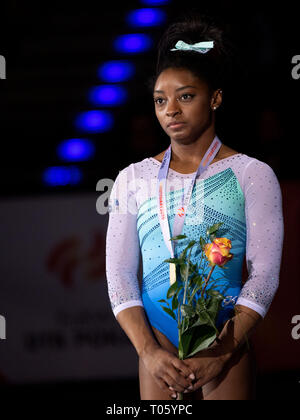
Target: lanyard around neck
<point x="185" y="199"/>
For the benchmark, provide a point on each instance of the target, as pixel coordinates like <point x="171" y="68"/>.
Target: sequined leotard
<point x="240" y="191"/>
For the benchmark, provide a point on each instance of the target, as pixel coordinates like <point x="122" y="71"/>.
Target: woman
<point x="231" y="187"/>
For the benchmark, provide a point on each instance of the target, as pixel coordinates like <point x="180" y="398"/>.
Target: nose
<point x="173" y="113"/>
<point x="173" y="109"/>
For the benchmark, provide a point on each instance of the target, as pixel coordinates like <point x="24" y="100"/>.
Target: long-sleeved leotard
<point x="240" y="191"/>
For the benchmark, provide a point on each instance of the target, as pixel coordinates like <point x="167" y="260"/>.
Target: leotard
<point x="240" y="191"/>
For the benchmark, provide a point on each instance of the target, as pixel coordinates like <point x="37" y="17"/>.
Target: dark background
<point x="53" y="50"/>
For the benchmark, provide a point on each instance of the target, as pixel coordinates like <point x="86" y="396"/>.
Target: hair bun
<point x="215" y="66"/>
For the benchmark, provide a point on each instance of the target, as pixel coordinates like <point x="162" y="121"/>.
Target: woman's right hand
<point x="168" y="370"/>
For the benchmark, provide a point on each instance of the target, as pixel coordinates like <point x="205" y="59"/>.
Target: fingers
<point x="169" y="371"/>
<point x="173" y="390"/>
<point x="167" y="389"/>
<point x="177" y="381"/>
<point x="199" y="383"/>
<point x="181" y="366"/>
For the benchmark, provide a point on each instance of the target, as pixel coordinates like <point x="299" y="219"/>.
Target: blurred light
<point x="76" y="150"/>
<point x="94" y="121"/>
<point x="146" y="17"/>
<point x="62" y="175"/>
<point x="133" y="43"/>
<point x="116" y="71"/>
<point x="155" y="2"/>
<point x="108" y="95"/>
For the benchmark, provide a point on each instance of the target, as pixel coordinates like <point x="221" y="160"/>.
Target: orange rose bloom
<point x="218" y="252"/>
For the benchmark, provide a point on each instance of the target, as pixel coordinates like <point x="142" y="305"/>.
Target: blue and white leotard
<point x="240" y="191"/>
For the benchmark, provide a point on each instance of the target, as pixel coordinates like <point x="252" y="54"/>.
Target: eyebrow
<point x="183" y="87"/>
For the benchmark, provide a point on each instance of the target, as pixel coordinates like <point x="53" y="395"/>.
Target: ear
<point x="216" y="99"/>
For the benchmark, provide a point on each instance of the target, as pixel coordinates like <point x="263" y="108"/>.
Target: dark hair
<point x="214" y="67"/>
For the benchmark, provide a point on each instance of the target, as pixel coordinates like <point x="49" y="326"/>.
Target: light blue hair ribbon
<point x="201" y="47"/>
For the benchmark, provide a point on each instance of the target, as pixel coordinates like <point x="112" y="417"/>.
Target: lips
<point x="175" y="124"/>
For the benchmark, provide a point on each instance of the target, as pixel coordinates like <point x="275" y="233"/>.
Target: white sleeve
<point x="122" y="245"/>
<point x="265" y="231"/>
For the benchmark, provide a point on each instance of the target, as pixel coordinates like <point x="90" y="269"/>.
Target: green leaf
<point x="173" y="260"/>
<point x="196" y="289"/>
<point x="169" y="312"/>
<point x="172" y="289"/>
<point x="202" y="242"/>
<point x="178" y="290"/>
<point x="163" y="301"/>
<point x="212" y="322"/>
<point x="178" y="237"/>
<point x="193" y="268"/>
<point x="198" y="338"/>
<point x="184" y="270"/>
<point x="193" y="278"/>
<point x="183" y="254"/>
<point x="191" y="243"/>
<point x="214" y="228"/>
<point x="184" y="342"/>
<point x="214" y="304"/>
<point x="175" y="303"/>
<point x="215" y="293"/>
<point x="201" y="319"/>
<point x="199" y="281"/>
<point x="187" y="310"/>
<point x="200" y="306"/>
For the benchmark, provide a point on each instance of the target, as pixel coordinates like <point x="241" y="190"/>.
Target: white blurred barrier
<point x="53" y="293"/>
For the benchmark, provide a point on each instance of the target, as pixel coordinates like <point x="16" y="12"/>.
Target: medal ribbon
<point x="161" y="193"/>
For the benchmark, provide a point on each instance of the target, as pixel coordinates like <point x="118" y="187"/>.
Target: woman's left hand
<point x="206" y="365"/>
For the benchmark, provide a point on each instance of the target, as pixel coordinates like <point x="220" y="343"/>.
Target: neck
<point x="192" y="153"/>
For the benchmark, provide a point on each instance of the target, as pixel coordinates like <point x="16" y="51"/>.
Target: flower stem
<point x="179" y="396"/>
<point x="207" y="280"/>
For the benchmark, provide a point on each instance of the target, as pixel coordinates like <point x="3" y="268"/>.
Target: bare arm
<point x="237" y="330"/>
<point x="133" y="321"/>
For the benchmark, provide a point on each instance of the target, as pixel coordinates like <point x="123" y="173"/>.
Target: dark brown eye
<point x="186" y="96"/>
<point x="157" y="101"/>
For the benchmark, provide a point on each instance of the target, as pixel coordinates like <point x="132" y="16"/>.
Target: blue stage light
<point x="155" y="2"/>
<point x="108" y="95"/>
<point x="146" y="17"/>
<point x="94" y="121"/>
<point x="115" y="71"/>
<point x="133" y="43"/>
<point x="73" y="150"/>
<point x="62" y="175"/>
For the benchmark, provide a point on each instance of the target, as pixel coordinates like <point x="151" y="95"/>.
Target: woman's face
<point x="181" y="97"/>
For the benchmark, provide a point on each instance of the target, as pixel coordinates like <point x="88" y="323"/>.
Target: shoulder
<point x="160" y="156"/>
<point x="256" y="167"/>
<point x="142" y="169"/>
<point x="259" y="181"/>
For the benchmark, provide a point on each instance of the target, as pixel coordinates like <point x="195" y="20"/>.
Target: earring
<point x="214" y="108"/>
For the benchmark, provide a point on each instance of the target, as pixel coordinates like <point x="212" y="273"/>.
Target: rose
<point x="218" y="251"/>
